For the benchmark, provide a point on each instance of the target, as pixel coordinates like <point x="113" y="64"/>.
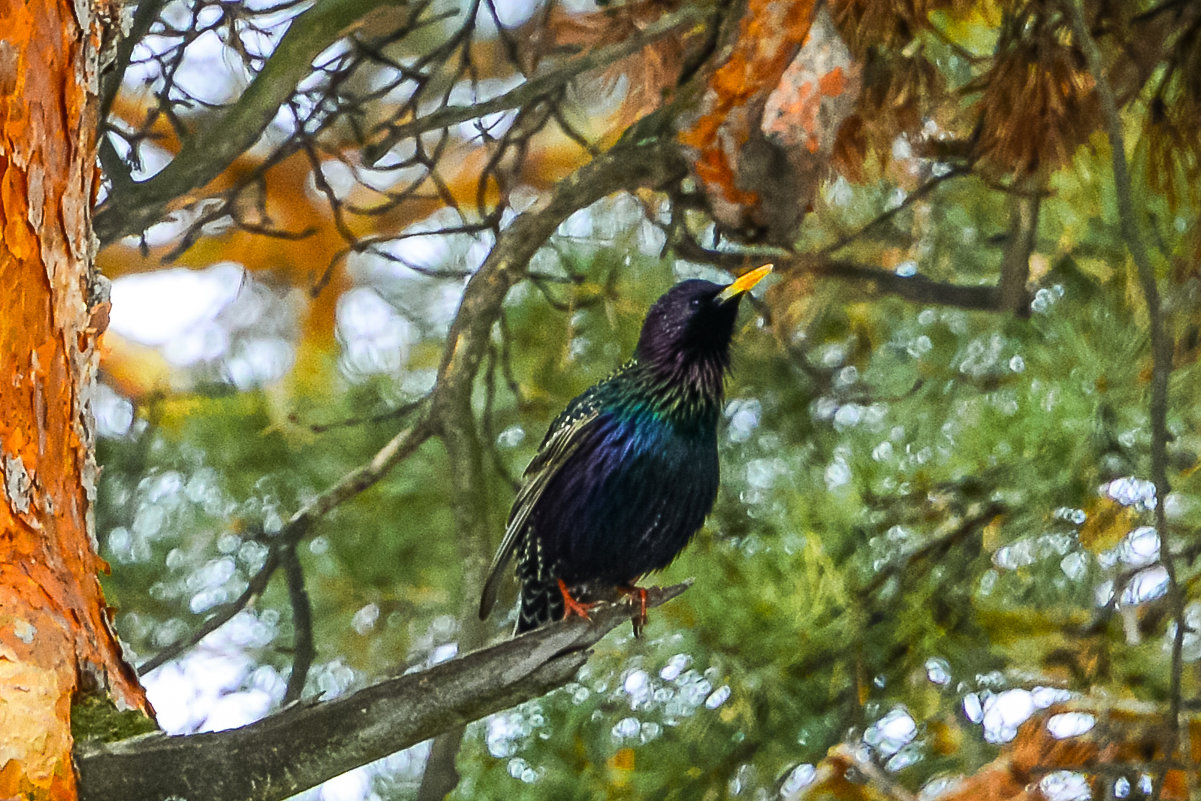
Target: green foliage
<point x="902" y="524"/>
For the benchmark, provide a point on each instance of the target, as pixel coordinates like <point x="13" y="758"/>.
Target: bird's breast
<point x="631" y="502"/>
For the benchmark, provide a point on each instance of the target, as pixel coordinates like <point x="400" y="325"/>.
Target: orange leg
<point x="573" y="607"/>
<point x="639" y="619"/>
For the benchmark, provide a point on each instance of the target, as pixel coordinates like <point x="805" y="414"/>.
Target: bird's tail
<point x="541" y="603"/>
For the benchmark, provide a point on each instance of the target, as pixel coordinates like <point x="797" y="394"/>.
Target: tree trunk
<point x="55" y="638"/>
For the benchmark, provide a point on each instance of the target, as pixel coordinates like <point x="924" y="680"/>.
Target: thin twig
<point x="910" y="199"/>
<point x="356" y="481"/>
<point x="1161" y="353"/>
<point x="303" y="650"/>
<point x="225" y="613"/>
<point x="399" y="413"/>
<point x="532" y="90"/>
<point x="205" y="154"/>
<point x="934" y="547"/>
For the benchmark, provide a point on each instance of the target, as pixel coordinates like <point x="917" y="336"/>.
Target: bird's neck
<point x="689" y="392"/>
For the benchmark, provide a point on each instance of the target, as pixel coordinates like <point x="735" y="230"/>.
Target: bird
<point x="628" y="472"/>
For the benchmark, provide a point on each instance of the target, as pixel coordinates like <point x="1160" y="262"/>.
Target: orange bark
<point x="55" y="638"/>
<point x="729" y="115"/>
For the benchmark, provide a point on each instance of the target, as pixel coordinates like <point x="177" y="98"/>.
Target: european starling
<point x="628" y="472"/>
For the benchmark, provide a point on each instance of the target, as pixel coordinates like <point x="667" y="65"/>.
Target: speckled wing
<point x="563" y="439"/>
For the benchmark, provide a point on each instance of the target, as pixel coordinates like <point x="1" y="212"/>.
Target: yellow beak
<point x="744" y="283"/>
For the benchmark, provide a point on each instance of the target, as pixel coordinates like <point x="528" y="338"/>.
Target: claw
<point x="572" y="607"/>
<point x="639" y="619"/>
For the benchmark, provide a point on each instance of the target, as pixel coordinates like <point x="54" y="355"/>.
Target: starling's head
<point x="687" y="332"/>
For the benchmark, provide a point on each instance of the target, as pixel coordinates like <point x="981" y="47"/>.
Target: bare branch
<point x="625" y="166"/>
<point x="916" y="288"/>
<point x="207" y="153"/>
<point x="441" y="774"/>
<point x="1161" y="352"/>
<point x="303" y="651"/>
<point x="528" y="93"/>
<point x="913" y="197"/>
<point x="223" y="614"/>
<point x="307" y="744"/>
<point x="399" y="413"/>
<point x="936" y="546"/>
<point x="356" y="481"/>
<point x="143" y="18"/>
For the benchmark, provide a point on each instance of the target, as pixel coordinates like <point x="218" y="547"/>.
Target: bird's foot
<point x="572" y="607"/>
<point x="639" y="619"/>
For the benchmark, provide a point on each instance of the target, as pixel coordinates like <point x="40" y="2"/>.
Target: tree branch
<point x="916" y="288"/>
<point x="208" y="152"/>
<point x="1161" y="354"/>
<point x="143" y="19"/>
<point x="527" y="93"/>
<point x="254" y="588"/>
<point x="303" y="650"/>
<point x="912" y="198"/>
<point x="935" y="547"/>
<point x="628" y="165"/>
<point x="307" y="744"/>
<point x="350" y="485"/>
<point x="1015" y="264"/>
<point x="441" y="774"/>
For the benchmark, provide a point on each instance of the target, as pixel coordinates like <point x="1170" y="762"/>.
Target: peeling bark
<point x="750" y="183"/>
<point x="55" y="638"/>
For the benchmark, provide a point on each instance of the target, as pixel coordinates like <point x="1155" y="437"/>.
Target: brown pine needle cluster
<point x="901" y="86"/>
<point x="648" y="74"/>
<point x="1174" y="118"/>
<point x="899" y="93"/>
<point x="868" y="25"/>
<point x="1037" y="102"/>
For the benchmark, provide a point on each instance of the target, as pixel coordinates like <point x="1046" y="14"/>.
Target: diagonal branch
<point x="935" y="547"/>
<point x="307" y="744"/>
<point x="226" y="612"/>
<point x="910" y="200"/>
<point x="631" y="164"/>
<point x="352" y="484"/>
<point x="528" y="93"/>
<point x="208" y="152"/>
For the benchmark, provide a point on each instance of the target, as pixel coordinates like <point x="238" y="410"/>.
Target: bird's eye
<point x="695" y="303"/>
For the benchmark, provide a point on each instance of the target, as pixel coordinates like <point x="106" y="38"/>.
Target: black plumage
<point x="628" y="472"/>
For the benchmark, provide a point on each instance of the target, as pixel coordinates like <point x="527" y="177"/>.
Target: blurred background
<point x="936" y="519"/>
